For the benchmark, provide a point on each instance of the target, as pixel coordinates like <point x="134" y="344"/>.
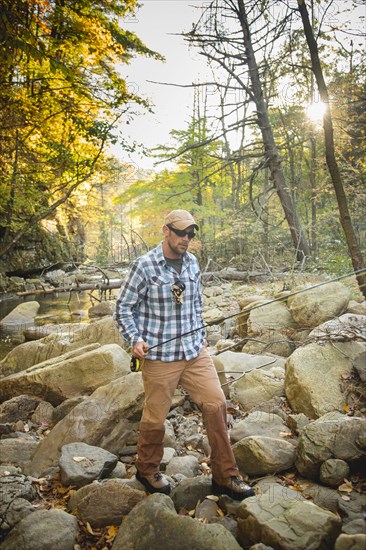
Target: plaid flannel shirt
<point x="146" y="310"/>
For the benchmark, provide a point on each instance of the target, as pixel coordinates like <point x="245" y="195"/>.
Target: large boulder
<point x="258" y="387"/>
<point x="103" y="331"/>
<point x="76" y="373"/>
<point x="313" y="375"/>
<point x="16" y="491"/>
<point x="332" y="436"/>
<point x="43" y="530"/>
<point x="258" y="455"/>
<point x="316" y="305"/>
<point x="346" y="327"/>
<point x="21" y="315"/>
<point x="105" y="419"/>
<point x="105" y="503"/>
<point x="272" y="324"/>
<point x="259" y="423"/>
<point x="281" y="518"/>
<point x="243" y="362"/>
<point x="154" y="524"/>
<point x="80" y="464"/>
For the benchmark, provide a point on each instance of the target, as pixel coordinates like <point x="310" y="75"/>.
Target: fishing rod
<point x="135" y="362"/>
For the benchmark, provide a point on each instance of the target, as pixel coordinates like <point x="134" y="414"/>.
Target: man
<point x="158" y="305"/>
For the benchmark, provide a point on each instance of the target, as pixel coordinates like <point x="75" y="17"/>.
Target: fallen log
<point x="233" y="275"/>
<point x="73" y="288"/>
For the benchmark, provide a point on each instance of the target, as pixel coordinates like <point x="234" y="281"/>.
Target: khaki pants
<point x="199" y="378"/>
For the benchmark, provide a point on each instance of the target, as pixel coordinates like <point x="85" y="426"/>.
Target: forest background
<point x="271" y="162"/>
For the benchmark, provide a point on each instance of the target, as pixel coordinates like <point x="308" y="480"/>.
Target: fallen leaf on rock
<point x="285" y="434"/>
<point x="299" y="486"/>
<point x="219" y="512"/>
<point x="79" y="458"/>
<point x="346" y="487"/>
<point x="345" y="497"/>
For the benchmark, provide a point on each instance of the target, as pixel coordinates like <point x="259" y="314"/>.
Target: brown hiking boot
<point x="232" y="486"/>
<point x="155" y="483"/>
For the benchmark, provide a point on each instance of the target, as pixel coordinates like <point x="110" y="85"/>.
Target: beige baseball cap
<point x="180" y="219"/>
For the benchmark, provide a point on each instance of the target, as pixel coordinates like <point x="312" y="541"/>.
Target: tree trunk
<point x="273" y="158"/>
<point x="345" y="217"/>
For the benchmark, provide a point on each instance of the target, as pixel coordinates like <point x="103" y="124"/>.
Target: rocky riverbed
<point x="294" y="374"/>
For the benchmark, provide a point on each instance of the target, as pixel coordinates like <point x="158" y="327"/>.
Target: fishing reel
<point x="135" y="364"/>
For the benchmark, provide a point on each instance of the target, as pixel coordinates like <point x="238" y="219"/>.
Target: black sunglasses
<point x="182" y="232"/>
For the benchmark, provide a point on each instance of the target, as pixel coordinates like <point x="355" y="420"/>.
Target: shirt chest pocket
<point x="159" y="288"/>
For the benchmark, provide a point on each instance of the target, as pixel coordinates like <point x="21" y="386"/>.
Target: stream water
<point x="56" y="308"/>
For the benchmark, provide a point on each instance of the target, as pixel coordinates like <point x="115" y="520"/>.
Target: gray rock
<point x="354" y="527"/>
<point x="207" y="510"/>
<point x="80" y="464"/>
<point x="43" y="530"/>
<point x="333" y="472"/>
<point x="243" y="362"/>
<point x="169" y="437"/>
<point x="105" y="503"/>
<point x="359" y="364"/>
<point x="285" y="520"/>
<point x="186" y="465"/>
<point x="257" y="387"/>
<point x="9" y="470"/>
<point x="210" y="291"/>
<point x="263" y="455"/>
<point x="315" y="306"/>
<point x="154" y="523"/>
<point x="78" y="372"/>
<point x="169" y="453"/>
<point x="119" y="471"/>
<point x="17" y="451"/>
<point x="65" y="407"/>
<point x="43" y="414"/>
<point x="14" y="512"/>
<point x="271" y="324"/>
<point x="258" y="423"/>
<point x="331" y="436"/>
<point x="189" y="491"/>
<point x="297" y="422"/>
<point x="212" y="315"/>
<point x="105" y="419"/>
<point x="307" y="370"/>
<point x="350" y="542"/>
<point x="102" y="309"/>
<point x="356" y="307"/>
<point x="21" y="314"/>
<point x="15" y="493"/>
<point x="343" y="328"/>
<point x="18" y="408"/>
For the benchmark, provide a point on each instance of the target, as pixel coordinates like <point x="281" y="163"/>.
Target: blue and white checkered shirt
<point x="146" y="310"/>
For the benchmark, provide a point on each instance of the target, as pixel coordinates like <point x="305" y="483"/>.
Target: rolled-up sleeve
<point x="130" y="296"/>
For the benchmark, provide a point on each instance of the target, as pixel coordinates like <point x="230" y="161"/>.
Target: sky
<point x="158" y="24"/>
